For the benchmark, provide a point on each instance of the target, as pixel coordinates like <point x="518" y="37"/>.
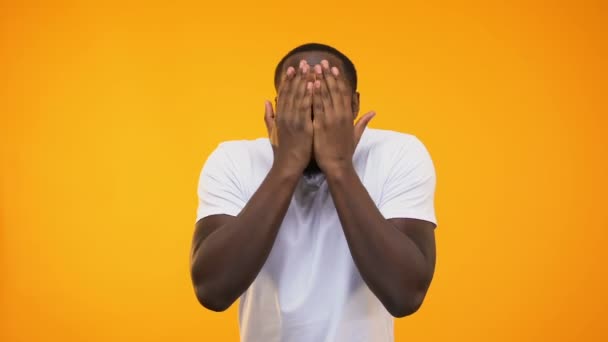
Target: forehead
<point x="313" y="58"/>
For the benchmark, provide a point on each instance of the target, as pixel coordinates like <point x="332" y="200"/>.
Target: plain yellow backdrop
<point x="108" y="112"/>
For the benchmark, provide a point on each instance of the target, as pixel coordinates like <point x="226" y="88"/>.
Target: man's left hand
<point x="335" y="137"/>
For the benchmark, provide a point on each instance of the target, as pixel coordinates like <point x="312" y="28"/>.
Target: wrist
<point x="288" y="174"/>
<point x="340" y="171"/>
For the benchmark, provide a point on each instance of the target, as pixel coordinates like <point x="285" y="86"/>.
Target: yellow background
<point x="109" y="111"/>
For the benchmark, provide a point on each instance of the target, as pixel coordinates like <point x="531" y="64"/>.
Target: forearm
<point x="390" y="263"/>
<point x="228" y="260"/>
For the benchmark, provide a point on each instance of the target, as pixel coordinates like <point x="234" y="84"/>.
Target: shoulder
<point x="245" y="146"/>
<point x="238" y="157"/>
<point x="243" y="150"/>
<point x="392" y="143"/>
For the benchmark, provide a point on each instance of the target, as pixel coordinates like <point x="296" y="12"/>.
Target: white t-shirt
<point x="309" y="289"/>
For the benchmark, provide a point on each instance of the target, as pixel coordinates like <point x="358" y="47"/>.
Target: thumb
<point x="361" y="124"/>
<point x="268" y="116"/>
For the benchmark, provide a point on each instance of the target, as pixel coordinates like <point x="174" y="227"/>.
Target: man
<point x="324" y="232"/>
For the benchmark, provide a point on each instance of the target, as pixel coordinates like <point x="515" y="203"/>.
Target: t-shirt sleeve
<point x="409" y="190"/>
<point x="219" y="189"/>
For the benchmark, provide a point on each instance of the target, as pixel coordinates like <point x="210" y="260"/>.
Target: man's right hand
<point x="292" y="123"/>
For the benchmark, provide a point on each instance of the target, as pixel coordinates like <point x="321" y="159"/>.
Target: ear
<point x="355" y="104"/>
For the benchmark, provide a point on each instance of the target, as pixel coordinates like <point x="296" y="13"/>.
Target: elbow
<point x="210" y="300"/>
<point x="407" y="305"/>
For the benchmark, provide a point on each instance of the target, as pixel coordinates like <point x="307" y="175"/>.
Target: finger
<point x="324" y="104"/>
<point x="302" y="90"/>
<point x="318" y="111"/>
<point x="306" y="103"/>
<point x="298" y="87"/>
<point x="328" y="108"/>
<point x="332" y="87"/>
<point x="344" y="94"/>
<point x="287" y="76"/>
<point x="361" y="124"/>
<point x="284" y="89"/>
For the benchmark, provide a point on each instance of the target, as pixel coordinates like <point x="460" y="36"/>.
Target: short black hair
<point x="349" y="67"/>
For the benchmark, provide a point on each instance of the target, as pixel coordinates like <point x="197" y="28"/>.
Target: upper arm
<point x="220" y="195"/>
<point x="408" y="197"/>
<point x="409" y="187"/>
<point x="220" y="191"/>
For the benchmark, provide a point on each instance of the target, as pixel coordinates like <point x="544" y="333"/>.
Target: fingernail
<point x="317" y="84"/>
<point x="335" y="71"/>
<point x="302" y="63"/>
<point x="325" y="63"/>
<point x="305" y="68"/>
<point x="318" y="69"/>
<point x="290" y="71"/>
<point x="309" y="85"/>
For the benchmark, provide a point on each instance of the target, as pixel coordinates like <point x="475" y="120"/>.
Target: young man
<point x="326" y="230"/>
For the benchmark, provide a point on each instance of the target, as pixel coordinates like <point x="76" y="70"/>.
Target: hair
<point x="349" y="67"/>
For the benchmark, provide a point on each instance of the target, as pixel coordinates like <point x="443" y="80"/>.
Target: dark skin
<point x="315" y="111"/>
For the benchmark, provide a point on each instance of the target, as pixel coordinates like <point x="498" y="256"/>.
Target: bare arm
<point x="228" y="252"/>
<point x="396" y="257"/>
